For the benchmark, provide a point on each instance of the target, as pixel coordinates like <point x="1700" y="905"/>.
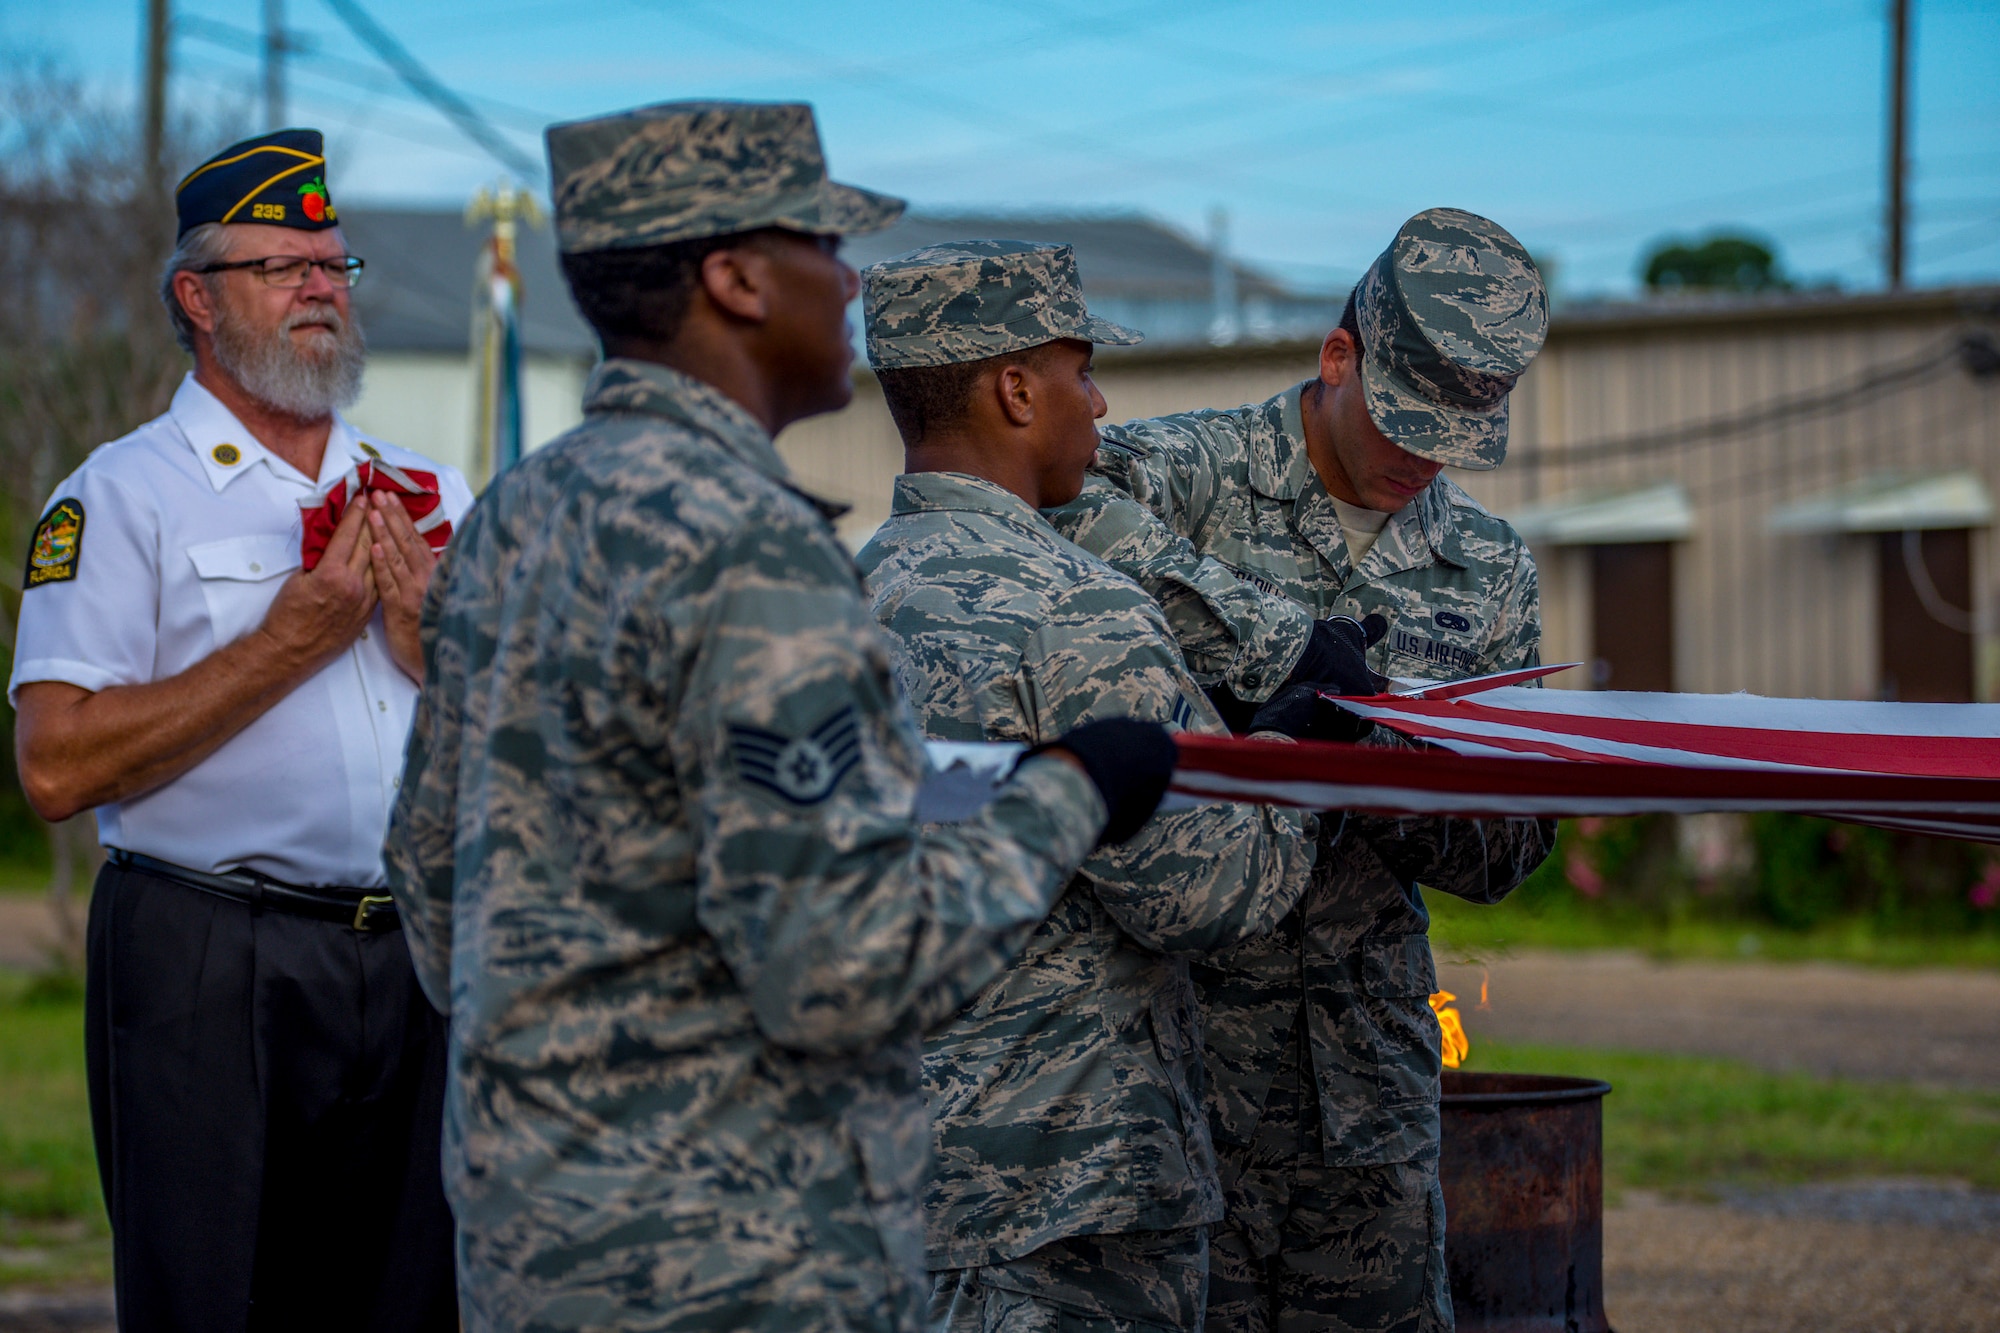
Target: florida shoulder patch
<point x="58" y="545"/>
<point x="802" y="769"/>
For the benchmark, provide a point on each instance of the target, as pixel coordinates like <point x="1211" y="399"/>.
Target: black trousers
<point x="266" y="1093"/>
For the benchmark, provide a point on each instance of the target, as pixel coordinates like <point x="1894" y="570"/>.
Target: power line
<point x="411" y="129"/>
<point x="1013" y="127"/>
<point x="1267" y="146"/>
<point x="895" y="85"/>
<point x="1777" y="412"/>
<point x="1980" y="235"/>
<point x="1790" y="187"/>
<point x="1235" y="103"/>
<point x="368" y="78"/>
<point x="1240" y="157"/>
<point x="424" y="84"/>
<point x="1886" y="446"/>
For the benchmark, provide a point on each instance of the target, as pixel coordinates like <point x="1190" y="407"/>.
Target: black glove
<point x="1129" y="762"/>
<point x="1299" y="712"/>
<point x="1236" y="713"/>
<point x="1336" y="656"/>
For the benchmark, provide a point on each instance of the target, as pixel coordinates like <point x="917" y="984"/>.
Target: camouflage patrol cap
<point x="1450" y="314"/>
<point x="680" y="171"/>
<point x="968" y="300"/>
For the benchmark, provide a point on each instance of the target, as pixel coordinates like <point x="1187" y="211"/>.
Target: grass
<point x="1459" y="928"/>
<point x="1679" y="1124"/>
<point x="23" y="877"/>
<point x="53" y="1230"/>
<point x="1686" y="1124"/>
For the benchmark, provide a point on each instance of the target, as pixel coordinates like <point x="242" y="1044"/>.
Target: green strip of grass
<point x="1683" y="1124"/>
<point x="53" y="1230"/>
<point x="1466" y="929"/>
<point x="23" y="877"/>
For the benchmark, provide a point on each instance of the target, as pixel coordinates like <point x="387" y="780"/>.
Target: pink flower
<point x="1583" y="874"/>
<point x="1985" y="895"/>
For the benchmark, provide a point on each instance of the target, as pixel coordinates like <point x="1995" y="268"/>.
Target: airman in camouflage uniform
<point x="655" y="841"/>
<point x="1075" y="1176"/>
<point x="1323" y="1050"/>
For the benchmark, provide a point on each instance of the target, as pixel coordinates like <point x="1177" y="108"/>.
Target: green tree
<point x="86" y="353"/>
<point x="1721" y="263"/>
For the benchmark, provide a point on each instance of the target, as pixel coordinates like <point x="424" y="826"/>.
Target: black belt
<point x="358" y="908"/>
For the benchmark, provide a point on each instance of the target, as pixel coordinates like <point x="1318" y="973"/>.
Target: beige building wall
<point x="424" y="401"/>
<point x="854" y="455"/>
<point x="1754" y="610"/>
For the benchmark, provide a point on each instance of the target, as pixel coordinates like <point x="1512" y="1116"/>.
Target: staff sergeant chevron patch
<point x="802" y="769"/>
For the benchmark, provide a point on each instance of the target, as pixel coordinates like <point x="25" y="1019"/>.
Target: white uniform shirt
<point x="182" y="551"/>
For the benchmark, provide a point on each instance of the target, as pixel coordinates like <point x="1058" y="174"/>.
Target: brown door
<point x="1632" y="612"/>
<point x="1927" y="650"/>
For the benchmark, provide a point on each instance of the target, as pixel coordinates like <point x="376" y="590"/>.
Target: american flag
<point x="1496" y="748"/>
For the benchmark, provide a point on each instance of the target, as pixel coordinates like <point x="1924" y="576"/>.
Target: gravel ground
<point x="1937" y="1027"/>
<point x="1695" y="1268"/>
<point x="56" y="1312"/>
<point x="1756" y="1266"/>
<point x="28" y="929"/>
<point x="1859" y="1256"/>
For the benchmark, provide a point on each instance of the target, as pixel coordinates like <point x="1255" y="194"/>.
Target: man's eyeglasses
<point x="292" y="270"/>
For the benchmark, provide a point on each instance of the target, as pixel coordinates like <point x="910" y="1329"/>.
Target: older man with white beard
<point x="229" y="686"/>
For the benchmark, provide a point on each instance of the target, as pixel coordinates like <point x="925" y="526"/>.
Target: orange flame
<point x="1456" y="1047"/>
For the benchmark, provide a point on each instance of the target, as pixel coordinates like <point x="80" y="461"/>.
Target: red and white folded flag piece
<point x="417" y="490"/>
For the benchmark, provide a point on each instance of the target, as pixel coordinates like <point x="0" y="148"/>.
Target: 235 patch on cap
<point x="58" y="545"/>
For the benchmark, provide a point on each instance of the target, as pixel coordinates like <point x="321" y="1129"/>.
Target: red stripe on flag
<point x="1927" y="756"/>
<point x="1476" y="775"/>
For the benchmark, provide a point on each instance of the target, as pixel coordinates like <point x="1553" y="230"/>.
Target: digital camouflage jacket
<point x="1067" y="1096"/>
<point x="655" y="852"/>
<point x="1220" y="515"/>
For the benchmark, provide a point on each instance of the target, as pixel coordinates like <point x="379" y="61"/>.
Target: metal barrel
<point x="1523" y="1176"/>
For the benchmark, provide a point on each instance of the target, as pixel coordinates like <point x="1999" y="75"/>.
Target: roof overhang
<point x="1654" y="514"/>
<point x="1891" y="502"/>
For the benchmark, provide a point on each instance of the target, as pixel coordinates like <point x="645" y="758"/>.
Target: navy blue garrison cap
<point x="278" y="179"/>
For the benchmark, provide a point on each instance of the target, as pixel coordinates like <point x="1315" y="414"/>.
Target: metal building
<point x="1789" y="494"/>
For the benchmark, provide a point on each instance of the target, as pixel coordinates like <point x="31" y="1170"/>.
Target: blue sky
<point x="1589" y="128"/>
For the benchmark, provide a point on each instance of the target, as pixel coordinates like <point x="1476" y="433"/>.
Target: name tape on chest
<point x="1432" y="652"/>
<point x="1257" y="581"/>
<point x="57" y="548"/>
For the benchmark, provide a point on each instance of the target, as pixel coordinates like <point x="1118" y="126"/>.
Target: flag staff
<point x="496" y="327"/>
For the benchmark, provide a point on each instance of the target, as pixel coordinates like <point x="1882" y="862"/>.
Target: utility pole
<point x="274" y="64"/>
<point x="159" y="25"/>
<point x="1896" y="223"/>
